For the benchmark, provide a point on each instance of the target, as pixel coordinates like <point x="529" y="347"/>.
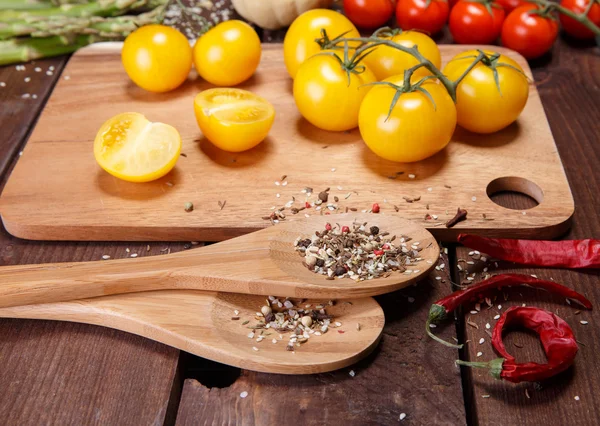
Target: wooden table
<point x="62" y="373"/>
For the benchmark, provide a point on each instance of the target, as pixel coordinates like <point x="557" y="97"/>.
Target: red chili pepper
<point x="345" y="229"/>
<point x="555" y="334"/>
<point x="440" y="309"/>
<point x="559" y="254"/>
<point x="375" y="208"/>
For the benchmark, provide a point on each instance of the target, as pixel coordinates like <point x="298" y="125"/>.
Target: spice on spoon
<point x="557" y="340"/>
<point x="358" y="252"/>
<point x="571" y="254"/>
<point x="440" y="309"/>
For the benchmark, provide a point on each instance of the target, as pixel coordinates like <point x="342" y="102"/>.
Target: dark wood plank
<point x="406" y="374"/>
<point x="568" y="85"/>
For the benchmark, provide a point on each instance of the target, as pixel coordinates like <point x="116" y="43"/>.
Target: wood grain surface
<point x="68" y="197"/>
<point x="260" y="263"/>
<point x="202" y="323"/>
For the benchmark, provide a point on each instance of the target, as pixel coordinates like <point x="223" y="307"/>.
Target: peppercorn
<point x="320" y="262"/>
<point x="340" y="270"/>
<point x="304" y="243"/>
<point x="188" y="207"/>
<point x="374" y="230"/>
<point x="375" y="208"/>
<point x="324" y="196"/>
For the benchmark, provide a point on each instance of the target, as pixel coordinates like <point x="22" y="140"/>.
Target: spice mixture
<point x="359" y="252"/>
<point x="300" y="320"/>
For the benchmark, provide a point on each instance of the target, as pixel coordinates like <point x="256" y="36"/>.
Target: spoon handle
<point x="215" y="268"/>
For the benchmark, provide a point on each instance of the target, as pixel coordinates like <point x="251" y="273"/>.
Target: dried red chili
<point x="559" y="254"/>
<point x="557" y="340"/>
<point x="440" y="309"/>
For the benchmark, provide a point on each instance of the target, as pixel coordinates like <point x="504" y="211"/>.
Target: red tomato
<point x="472" y="23"/>
<point x="528" y="33"/>
<point x="416" y="15"/>
<point x="574" y="28"/>
<point x="368" y="13"/>
<point x="510" y="5"/>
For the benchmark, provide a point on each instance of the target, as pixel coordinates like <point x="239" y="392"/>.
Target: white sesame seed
<point x="429" y="189"/>
<point x="402" y="416"/>
<point x="278" y="195"/>
<point x="333" y="169"/>
<point x="583" y="322"/>
<point x="523" y="213"/>
<point x="488" y="326"/>
<point x="277" y="183"/>
<point x="105" y="256"/>
<point x="27" y="79"/>
<point x="473" y="198"/>
<point x="25" y="96"/>
<point x="432" y="326"/>
<point x="37" y="69"/>
<point x="499" y="307"/>
<point x="2" y="84"/>
<point x="474" y="312"/>
<point x="254" y="348"/>
<point x="51" y="67"/>
<point x="497" y="317"/>
<point x="534" y="275"/>
<point x="485" y="396"/>
<point x="251" y="335"/>
<point x="479" y="354"/>
<point x="274" y="341"/>
<point x="33" y="96"/>
<point x="576" y="397"/>
<point x="67" y="77"/>
<point x="243" y="394"/>
<point x="49" y="73"/>
<point x="284" y="183"/>
<point x="481" y="341"/>
<point x="411" y="176"/>
<point x="438" y="278"/>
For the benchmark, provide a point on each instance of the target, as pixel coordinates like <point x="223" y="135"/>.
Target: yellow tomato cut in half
<point x="130" y="147"/>
<point x="234" y="120"/>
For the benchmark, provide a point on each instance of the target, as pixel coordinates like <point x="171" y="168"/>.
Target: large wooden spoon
<point x="261" y="263"/>
<point x="201" y="323"/>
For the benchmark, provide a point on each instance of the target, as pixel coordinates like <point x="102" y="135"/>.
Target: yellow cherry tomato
<point x="417" y="126"/>
<point x="227" y="54"/>
<point x="328" y="96"/>
<point x="157" y="58"/>
<point x="386" y="61"/>
<point x="233" y="119"/>
<point x="132" y="148"/>
<point x="481" y="106"/>
<point x="299" y="43"/>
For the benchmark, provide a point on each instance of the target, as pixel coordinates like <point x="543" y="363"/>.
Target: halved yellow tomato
<point x="134" y="149"/>
<point x="233" y="119"/>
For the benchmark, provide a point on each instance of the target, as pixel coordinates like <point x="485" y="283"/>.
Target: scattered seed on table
<point x="188" y="207"/>
<point x="243" y="394"/>
<point x="485" y="396"/>
<point x="2" y="84"/>
<point x="488" y="326"/>
<point x="481" y="341"/>
<point x="402" y="416"/>
<point x="105" y="256"/>
<point x="473" y="198"/>
<point x="499" y="307"/>
<point x="479" y="354"/>
<point x="352" y="373"/>
<point x="37" y="69"/>
<point x="255" y="348"/>
<point x="134" y="255"/>
<point x="67" y="77"/>
<point x="27" y="79"/>
<point x="527" y="394"/>
<point x="576" y="398"/>
<point x="583" y="322"/>
<point x="411" y="176"/>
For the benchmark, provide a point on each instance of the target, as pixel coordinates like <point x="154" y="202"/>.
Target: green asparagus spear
<point x="25" y="4"/>
<point x="97" y="8"/>
<point x="28" y="49"/>
<point x="118" y="27"/>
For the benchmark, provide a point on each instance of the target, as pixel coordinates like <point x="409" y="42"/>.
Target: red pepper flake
<point x="386" y="246"/>
<point x="572" y="254"/>
<point x="378" y="252"/>
<point x="307" y="205"/>
<point x="557" y="340"/>
<point x="328" y="226"/>
<point x="375" y="208"/>
<point x="345" y="229"/>
<point x="341" y="331"/>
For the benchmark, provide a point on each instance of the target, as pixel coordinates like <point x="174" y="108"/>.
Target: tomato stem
<point x="582" y="18"/>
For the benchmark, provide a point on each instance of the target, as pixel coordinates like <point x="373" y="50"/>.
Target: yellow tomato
<point x="227" y="54"/>
<point x="386" y="61"/>
<point x="299" y="43"/>
<point x="132" y="148"/>
<point x="329" y="97"/>
<point x="157" y="58"/>
<point x="415" y="129"/>
<point x="233" y="119"/>
<point x="483" y="107"/>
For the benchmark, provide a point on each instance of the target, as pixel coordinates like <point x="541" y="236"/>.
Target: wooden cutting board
<point x="58" y="192"/>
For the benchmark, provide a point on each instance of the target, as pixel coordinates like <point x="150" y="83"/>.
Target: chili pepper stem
<point x="437" y="339"/>
<point x="494" y="366"/>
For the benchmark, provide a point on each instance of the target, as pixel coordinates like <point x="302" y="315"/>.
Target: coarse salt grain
<point x="576" y="397"/>
<point x="481" y="341"/>
<point x="499" y="307"/>
<point x="402" y="416"/>
<point x="479" y="354"/>
<point x="352" y="373"/>
<point x="243" y="394"/>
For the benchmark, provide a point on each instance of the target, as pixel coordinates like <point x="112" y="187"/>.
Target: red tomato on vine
<point x="419" y="15"/>
<point x="574" y="28"/>
<point x="529" y="33"/>
<point x="369" y="13"/>
<point x="510" y="5"/>
<point x="475" y="22"/>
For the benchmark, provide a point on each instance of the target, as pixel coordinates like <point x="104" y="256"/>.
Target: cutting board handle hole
<point x="515" y="193"/>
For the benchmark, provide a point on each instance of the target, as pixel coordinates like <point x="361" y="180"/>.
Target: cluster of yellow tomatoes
<point x="420" y="124"/>
<point x="398" y="125"/>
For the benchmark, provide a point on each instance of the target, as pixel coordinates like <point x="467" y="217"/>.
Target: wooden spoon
<point x="201" y="323"/>
<point x="261" y="263"/>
